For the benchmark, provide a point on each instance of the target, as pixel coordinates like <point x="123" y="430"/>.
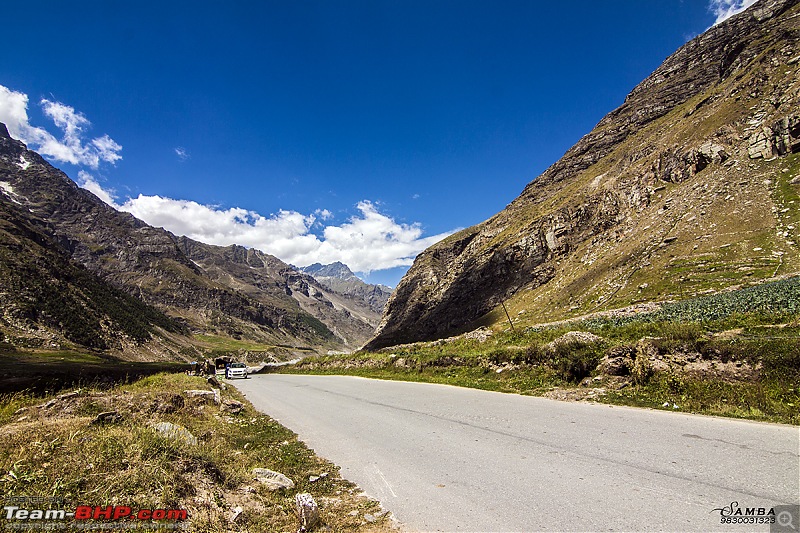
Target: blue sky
<point x="360" y="131"/>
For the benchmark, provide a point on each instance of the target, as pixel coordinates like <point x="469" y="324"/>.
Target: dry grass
<point x="57" y="452"/>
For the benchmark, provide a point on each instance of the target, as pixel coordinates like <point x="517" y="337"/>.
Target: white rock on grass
<point x="272" y="480"/>
<point x="174" y="431"/>
<point x="306" y="510"/>
<point x="236" y="512"/>
<point x="212" y="395"/>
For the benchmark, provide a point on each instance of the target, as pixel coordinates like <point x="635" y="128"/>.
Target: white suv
<point x="236" y="370"/>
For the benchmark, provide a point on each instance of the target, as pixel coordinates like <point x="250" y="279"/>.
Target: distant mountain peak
<point x="336" y="270"/>
<point x="339" y="278"/>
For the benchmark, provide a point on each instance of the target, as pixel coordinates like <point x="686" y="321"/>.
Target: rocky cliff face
<point x="337" y="270"/>
<point x="688" y="187"/>
<point x="228" y="291"/>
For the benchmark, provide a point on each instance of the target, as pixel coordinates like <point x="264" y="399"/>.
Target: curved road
<point x="445" y="458"/>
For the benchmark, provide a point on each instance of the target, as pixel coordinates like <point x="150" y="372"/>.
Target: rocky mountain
<point x="231" y="292"/>
<point x="689" y="187"/>
<point x="270" y="281"/>
<point x="338" y="278"/>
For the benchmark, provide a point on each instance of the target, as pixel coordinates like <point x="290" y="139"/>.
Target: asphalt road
<point x="451" y="459"/>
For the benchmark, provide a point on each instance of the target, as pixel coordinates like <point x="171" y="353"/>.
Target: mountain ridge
<point x="336" y="269"/>
<point x="338" y="278"/>
<point x="592" y="230"/>
<point x="50" y="301"/>
<point x="265" y="278"/>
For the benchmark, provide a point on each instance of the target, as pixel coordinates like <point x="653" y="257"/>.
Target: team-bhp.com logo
<point x="86" y="512"/>
<point x="87" y="517"/>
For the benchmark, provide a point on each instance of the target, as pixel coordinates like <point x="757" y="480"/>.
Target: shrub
<point x="642" y="369"/>
<point x="536" y="355"/>
<point x="574" y="363"/>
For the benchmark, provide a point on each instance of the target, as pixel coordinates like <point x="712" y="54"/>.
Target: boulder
<point x="108" y="417"/>
<point x="574" y="338"/>
<point x="712" y="153"/>
<point x="401" y="362"/>
<point x="272" y="480"/>
<point x="212" y="395"/>
<point x="57" y="399"/>
<point x="232" y="406"/>
<point x="169" y="404"/>
<point x="787" y="135"/>
<point x="761" y="145"/>
<point x="619" y="361"/>
<point x="214" y="382"/>
<point x="480" y="334"/>
<point x="306" y="510"/>
<point x="175" y="431"/>
<point x="780" y="139"/>
<point x="617" y="366"/>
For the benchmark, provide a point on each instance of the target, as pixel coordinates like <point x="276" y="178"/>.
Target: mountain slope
<point x="48" y="300"/>
<point x="688" y="187"/>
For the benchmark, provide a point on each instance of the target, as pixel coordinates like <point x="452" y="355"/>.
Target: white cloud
<point x="366" y="242"/>
<point x="107" y="149"/>
<point x="182" y="154"/>
<point x="283" y="231"/>
<point x="370" y="241"/>
<point x="13" y="110"/>
<point x="724" y="9"/>
<point x="71" y="148"/>
<point x="323" y="214"/>
<point x="88" y="182"/>
<point x="66" y="118"/>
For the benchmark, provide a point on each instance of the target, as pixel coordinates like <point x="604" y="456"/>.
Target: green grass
<point x="774" y="396"/>
<point x="530" y="382"/>
<point x="767" y="400"/>
<point x="756" y="327"/>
